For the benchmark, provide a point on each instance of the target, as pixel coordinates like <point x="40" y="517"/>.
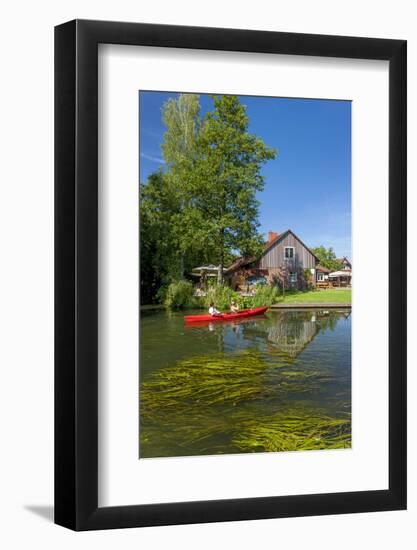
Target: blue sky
<point x="308" y="185"/>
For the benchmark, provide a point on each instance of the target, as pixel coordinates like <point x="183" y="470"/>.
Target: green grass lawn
<point x="343" y="296"/>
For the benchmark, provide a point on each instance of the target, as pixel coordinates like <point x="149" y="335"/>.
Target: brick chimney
<point x="272" y="235"/>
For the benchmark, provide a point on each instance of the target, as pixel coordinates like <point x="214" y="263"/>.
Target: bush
<point x="222" y="297"/>
<point x="179" y="294"/>
<point x="308" y="278"/>
<point x="265" y="296"/>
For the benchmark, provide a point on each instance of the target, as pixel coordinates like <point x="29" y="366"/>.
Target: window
<point x="293" y="277"/>
<point x="289" y="252"/>
<point x="320" y="276"/>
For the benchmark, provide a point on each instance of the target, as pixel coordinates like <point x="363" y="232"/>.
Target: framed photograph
<point x="230" y="252"/>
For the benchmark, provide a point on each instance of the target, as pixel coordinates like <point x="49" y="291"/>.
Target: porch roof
<point x="341" y="274"/>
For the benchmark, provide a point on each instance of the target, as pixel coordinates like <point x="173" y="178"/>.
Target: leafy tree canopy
<point x="202" y="207"/>
<point x="327" y="257"/>
<point x="226" y="178"/>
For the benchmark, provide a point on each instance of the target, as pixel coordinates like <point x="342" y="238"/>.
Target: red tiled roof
<point x="273" y="238"/>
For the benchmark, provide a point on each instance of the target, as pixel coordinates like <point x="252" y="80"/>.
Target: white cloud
<point x="152" y="158"/>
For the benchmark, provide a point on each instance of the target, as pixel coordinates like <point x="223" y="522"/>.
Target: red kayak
<point x="226" y="316"/>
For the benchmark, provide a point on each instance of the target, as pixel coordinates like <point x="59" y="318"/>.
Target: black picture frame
<point x="76" y="272"/>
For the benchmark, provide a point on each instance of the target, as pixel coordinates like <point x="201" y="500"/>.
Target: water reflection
<point x="292" y="331"/>
<point x="288" y="331"/>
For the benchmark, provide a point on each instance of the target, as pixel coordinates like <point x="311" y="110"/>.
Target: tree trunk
<point x="182" y="266"/>
<point x="221" y="266"/>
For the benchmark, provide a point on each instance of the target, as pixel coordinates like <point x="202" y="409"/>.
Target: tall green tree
<point x="201" y="207"/>
<point x="158" y="255"/>
<point x="226" y="177"/>
<point x="169" y="228"/>
<point x="181" y="117"/>
<point x="327" y="257"/>
<point x="182" y="120"/>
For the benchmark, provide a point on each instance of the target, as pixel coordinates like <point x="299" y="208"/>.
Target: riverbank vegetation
<point x="180" y="295"/>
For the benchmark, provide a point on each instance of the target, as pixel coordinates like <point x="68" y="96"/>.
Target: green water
<point x="277" y="383"/>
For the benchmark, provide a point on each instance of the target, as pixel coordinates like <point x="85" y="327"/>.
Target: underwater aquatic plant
<point x="295" y="429"/>
<point x="207" y="405"/>
<point x="221" y="379"/>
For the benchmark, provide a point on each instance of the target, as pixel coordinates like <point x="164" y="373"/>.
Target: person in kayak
<point x="213" y="311"/>
<point x="234" y="308"/>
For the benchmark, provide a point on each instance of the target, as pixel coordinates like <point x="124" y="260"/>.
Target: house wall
<point x="274" y="257"/>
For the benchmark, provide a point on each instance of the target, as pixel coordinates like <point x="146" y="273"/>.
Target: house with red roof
<point x="285" y="260"/>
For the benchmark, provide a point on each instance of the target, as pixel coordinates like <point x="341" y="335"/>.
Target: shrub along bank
<point x="180" y="295"/>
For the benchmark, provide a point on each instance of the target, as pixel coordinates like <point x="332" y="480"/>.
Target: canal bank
<point x="312" y="305"/>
